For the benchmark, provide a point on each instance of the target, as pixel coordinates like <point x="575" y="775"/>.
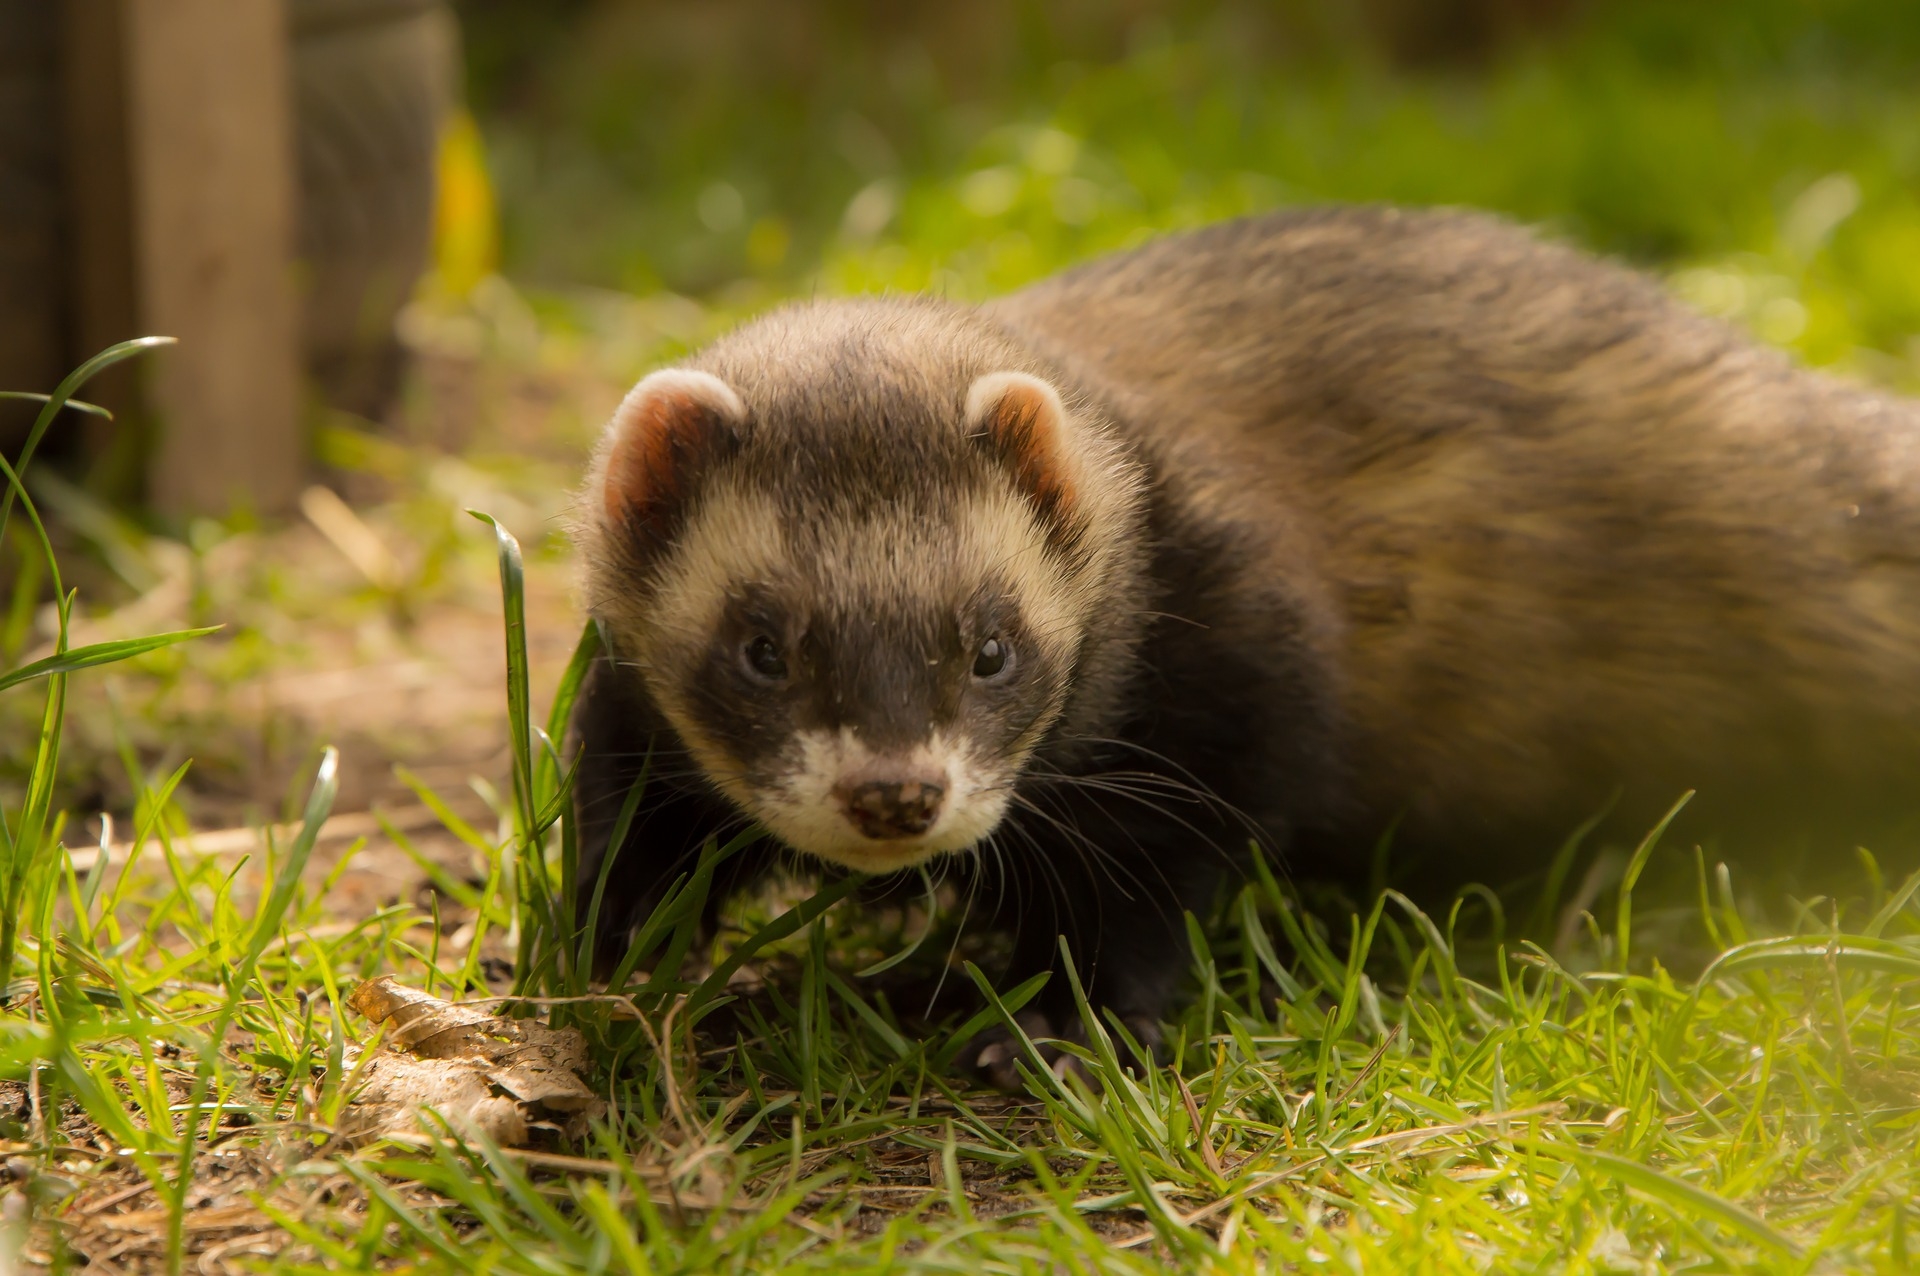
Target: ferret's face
<point x="867" y="687"/>
<point x="860" y="621"/>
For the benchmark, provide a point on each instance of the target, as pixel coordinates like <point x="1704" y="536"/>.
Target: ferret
<point x="1278" y="536"/>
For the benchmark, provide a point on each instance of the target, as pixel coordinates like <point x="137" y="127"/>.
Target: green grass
<point x="1388" y="1091"/>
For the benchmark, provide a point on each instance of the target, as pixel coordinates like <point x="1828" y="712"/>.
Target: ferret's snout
<point x="892" y="806"/>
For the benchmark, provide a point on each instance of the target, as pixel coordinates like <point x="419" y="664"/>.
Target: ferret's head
<point x="864" y="558"/>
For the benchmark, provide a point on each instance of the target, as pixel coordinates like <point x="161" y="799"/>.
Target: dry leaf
<point x="218" y="1219"/>
<point x="478" y="1071"/>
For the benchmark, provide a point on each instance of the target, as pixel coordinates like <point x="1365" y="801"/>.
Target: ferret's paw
<point x="993" y="1054"/>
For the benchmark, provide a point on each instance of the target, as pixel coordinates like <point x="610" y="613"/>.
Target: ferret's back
<point x="1575" y="530"/>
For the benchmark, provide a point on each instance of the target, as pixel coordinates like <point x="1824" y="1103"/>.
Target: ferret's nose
<point x="891" y="808"/>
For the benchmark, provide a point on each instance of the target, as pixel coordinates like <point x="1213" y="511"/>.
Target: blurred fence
<point x="254" y="178"/>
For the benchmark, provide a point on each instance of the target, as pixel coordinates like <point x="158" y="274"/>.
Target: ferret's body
<point x="1408" y="520"/>
<point x="1569" y="537"/>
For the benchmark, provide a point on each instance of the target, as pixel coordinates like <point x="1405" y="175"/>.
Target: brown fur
<point x="1569" y="534"/>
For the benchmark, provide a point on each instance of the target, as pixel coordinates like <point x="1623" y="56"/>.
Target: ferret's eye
<point x="991" y="659"/>
<point x="764" y="658"/>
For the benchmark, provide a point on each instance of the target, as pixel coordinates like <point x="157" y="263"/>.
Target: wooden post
<point x="32" y="296"/>
<point x="180" y="127"/>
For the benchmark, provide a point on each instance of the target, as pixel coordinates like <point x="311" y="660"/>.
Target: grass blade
<point x="99" y="653"/>
<point x="1678" y="1194"/>
<point x="1795" y="951"/>
<point x="779" y="928"/>
<point x="326" y="786"/>
<point x="585" y="652"/>
<point x="1623" y="926"/>
<point x="513" y="596"/>
<point x="53" y="403"/>
<point x="588" y="939"/>
<point x="78" y="405"/>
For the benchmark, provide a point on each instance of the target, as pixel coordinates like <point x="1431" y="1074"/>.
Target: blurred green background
<point x="1766" y="153"/>
<point x="632" y="176"/>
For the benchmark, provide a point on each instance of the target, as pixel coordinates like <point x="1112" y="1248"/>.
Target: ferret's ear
<point x="1020" y="417"/>
<point x="672" y="425"/>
